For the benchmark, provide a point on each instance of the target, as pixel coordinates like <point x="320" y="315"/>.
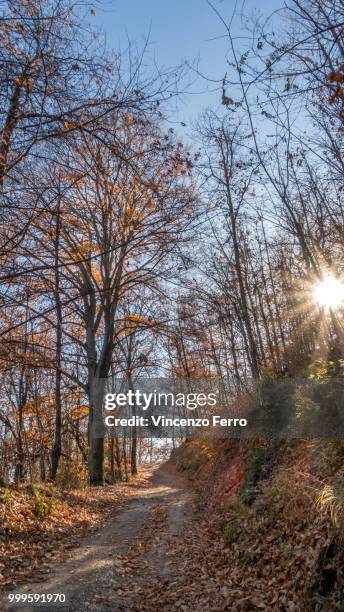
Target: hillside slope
<point x="269" y="535"/>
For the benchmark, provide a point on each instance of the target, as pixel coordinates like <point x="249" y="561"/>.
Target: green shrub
<point x="232" y="528"/>
<point x="6" y="497"/>
<point x="43" y="507"/>
<point x="230" y="532"/>
<point x="331" y="502"/>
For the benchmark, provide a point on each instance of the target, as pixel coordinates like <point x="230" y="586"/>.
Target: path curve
<point x="108" y="569"/>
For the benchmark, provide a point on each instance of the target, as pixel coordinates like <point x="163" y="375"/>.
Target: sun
<point x="329" y="292"/>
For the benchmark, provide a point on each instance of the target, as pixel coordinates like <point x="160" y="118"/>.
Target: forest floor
<point x="155" y="544"/>
<point x="112" y="568"/>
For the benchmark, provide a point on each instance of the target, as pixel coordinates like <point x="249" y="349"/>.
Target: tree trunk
<point x="10" y="124"/>
<point x="133" y="457"/>
<point x="124" y="447"/>
<point x="112" y="460"/>
<point x="96" y="433"/>
<point x="96" y="462"/>
<point x="57" y="447"/>
<point x="19" y="469"/>
<point x="134" y="450"/>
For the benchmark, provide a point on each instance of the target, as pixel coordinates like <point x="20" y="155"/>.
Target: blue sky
<point x="179" y="30"/>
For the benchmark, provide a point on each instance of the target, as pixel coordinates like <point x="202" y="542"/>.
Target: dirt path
<point x="109" y="569"/>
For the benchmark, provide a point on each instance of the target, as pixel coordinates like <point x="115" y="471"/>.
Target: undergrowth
<point x="286" y="523"/>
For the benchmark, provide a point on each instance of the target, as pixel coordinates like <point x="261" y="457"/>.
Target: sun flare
<point x="329" y="292"/>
